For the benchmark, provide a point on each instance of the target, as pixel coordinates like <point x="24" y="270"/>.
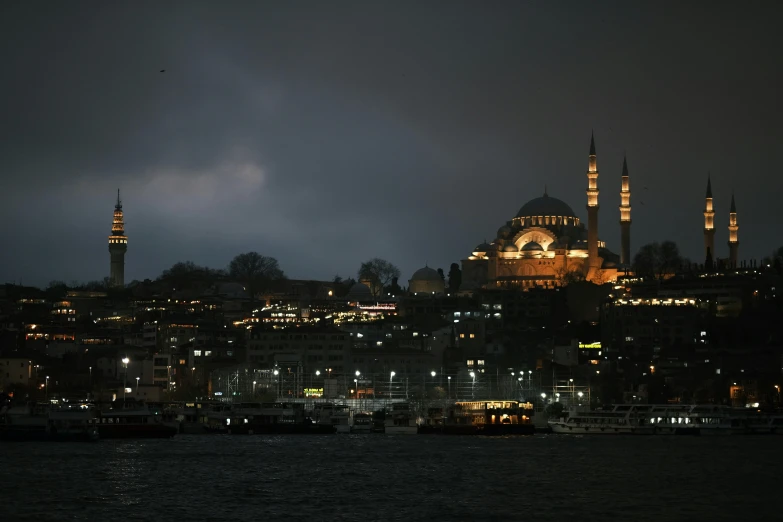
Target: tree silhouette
<point x="255" y="271"/>
<point x="378" y="273"/>
<point x="455" y="278"/>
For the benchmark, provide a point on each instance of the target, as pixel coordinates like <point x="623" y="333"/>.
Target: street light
<point x="449" y="379"/>
<point x="137" y="385"/>
<point x="47" y="386"/>
<point x="317" y="373"/>
<point x="391" y="376"/>
<point x="473" y="386"/>
<point x="125" y="362"/>
<point x="433" y="373"/>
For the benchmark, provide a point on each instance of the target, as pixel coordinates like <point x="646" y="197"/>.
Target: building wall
<point x="317" y="350"/>
<point x="15" y="371"/>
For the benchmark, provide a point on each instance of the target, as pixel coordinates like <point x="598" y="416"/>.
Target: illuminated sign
<point x="313" y="392"/>
<point x="589" y="346"/>
<point x="218" y="394"/>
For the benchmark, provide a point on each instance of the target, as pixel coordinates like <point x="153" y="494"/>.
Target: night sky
<point x="327" y="133"/>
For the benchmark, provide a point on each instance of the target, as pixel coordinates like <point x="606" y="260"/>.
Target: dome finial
<point x="545" y="191"/>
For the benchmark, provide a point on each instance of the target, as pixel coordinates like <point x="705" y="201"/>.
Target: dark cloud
<point x="327" y="133"/>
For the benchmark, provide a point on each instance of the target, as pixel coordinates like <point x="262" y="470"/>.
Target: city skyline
<point x="325" y="153"/>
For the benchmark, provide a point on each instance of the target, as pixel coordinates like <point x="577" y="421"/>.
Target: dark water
<point x="542" y="478"/>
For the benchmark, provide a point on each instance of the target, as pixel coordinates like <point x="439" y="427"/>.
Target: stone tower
<point x="625" y="217"/>
<point x="593" y="261"/>
<point x="709" y="224"/>
<point x="118" y="245"/>
<point x="733" y="228"/>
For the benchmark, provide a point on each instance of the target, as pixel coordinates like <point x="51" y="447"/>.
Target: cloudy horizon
<point x="325" y="134"/>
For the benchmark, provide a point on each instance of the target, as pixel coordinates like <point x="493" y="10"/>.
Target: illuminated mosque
<point x="546" y="243"/>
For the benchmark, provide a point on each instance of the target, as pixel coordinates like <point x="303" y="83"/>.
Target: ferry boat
<point x="341" y="419"/>
<point x="708" y="419"/>
<point x="142" y="423"/>
<point x="267" y="419"/>
<point x="400" y="421"/>
<point x="362" y="422"/>
<point x="43" y="423"/>
<point x="602" y="422"/>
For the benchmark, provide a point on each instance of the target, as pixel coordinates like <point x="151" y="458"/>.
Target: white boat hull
<point x="560" y="427"/>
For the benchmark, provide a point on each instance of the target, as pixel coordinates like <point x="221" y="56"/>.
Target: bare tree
<point x="379" y="273"/>
<point x="657" y="259"/>
<point x="255" y="271"/>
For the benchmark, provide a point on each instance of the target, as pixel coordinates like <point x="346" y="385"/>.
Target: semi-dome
<point x="545" y="206"/>
<point x="425" y="274"/>
<point x="511" y="247"/>
<point x="532" y="247"/>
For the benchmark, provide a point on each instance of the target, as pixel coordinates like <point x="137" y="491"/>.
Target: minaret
<point x="593" y="262"/>
<point x="118" y="245"/>
<point x="733" y="241"/>
<point x="625" y="217"/>
<point x="709" y="223"/>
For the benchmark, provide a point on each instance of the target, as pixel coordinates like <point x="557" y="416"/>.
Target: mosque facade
<point x="547" y="245"/>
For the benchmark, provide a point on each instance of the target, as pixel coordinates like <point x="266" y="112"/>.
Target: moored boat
<point x="401" y="420"/>
<point x="142" y="423"/>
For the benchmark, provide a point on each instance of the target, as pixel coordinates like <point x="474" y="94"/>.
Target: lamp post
<point x="277" y="373"/>
<point x="47" y="386"/>
<point x="137" y="385"/>
<point x="580" y="394"/>
<point x="571" y="383"/>
<point x="125" y="362"/>
<point x="356" y="380"/>
<point x="449" y="380"/>
<point x="391" y="376"/>
<point x="473" y="385"/>
<point x="254" y="389"/>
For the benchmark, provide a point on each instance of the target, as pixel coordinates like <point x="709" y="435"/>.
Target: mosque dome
<point x="532" y="247"/>
<point x="426" y="274"/>
<point x="359" y="292"/>
<point x="545" y="206"/>
<point x="511" y="247"/>
<point x="484" y="247"/>
<point x="426" y="281"/>
<point x="504" y="232"/>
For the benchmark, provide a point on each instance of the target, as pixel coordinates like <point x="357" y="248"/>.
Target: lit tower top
<point x="593" y="262"/>
<point x="733" y="238"/>
<point x="118" y="225"/>
<point x="118" y="245"/>
<point x="625" y="216"/>
<point x="709" y="222"/>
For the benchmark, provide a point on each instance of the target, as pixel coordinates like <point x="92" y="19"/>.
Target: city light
<point x="433" y="373"/>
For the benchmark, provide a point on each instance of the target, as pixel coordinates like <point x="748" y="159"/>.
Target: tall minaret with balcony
<point x="709" y="224"/>
<point x="118" y="245"/>
<point x="593" y="261"/>
<point x="733" y="228"/>
<point x="625" y="217"/>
